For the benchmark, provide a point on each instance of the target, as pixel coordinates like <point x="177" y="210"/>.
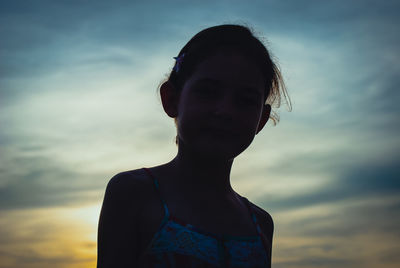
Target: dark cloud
<point x="352" y="179"/>
<point x="352" y="218"/>
<point x="373" y="178"/>
<point x="42" y="40"/>
<point x="390" y="257"/>
<point x="37" y="182"/>
<point x="37" y="35"/>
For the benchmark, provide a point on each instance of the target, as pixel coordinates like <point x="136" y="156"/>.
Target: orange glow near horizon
<point x="55" y="237"/>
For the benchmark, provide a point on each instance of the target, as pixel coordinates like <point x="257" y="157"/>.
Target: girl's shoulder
<point x="118" y="224"/>
<point x="128" y="185"/>
<point x="135" y="177"/>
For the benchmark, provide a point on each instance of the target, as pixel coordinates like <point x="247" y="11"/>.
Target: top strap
<point x="157" y="188"/>
<point x="253" y="216"/>
<point x="264" y="240"/>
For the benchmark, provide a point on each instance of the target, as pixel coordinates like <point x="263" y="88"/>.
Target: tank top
<point x="179" y="244"/>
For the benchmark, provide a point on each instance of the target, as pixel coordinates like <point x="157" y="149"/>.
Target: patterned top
<point x="177" y="244"/>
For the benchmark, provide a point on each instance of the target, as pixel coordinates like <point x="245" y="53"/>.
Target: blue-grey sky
<point x="78" y="103"/>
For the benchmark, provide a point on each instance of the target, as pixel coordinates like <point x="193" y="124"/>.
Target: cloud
<point x="356" y="231"/>
<point x="34" y="182"/>
<point x="348" y="179"/>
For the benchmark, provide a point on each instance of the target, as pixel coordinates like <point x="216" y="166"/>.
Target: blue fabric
<point x="177" y="244"/>
<point x="174" y="237"/>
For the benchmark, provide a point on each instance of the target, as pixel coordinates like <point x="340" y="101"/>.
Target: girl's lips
<point x="219" y="132"/>
<point x="220" y="127"/>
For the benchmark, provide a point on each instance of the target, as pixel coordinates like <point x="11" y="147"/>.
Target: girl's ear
<point x="169" y="98"/>
<point x="264" y="117"/>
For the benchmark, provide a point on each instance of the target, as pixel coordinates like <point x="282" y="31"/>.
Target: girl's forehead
<point x="228" y="68"/>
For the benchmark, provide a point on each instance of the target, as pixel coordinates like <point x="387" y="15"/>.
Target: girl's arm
<point x="117" y="239"/>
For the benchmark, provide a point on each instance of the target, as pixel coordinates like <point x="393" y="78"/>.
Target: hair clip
<point x="178" y="62"/>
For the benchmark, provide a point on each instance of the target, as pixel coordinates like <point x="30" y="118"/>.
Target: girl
<point x="185" y="213"/>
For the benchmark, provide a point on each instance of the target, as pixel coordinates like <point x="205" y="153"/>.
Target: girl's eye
<point x="250" y="100"/>
<point x="207" y="92"/>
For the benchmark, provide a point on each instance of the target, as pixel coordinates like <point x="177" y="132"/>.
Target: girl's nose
<point x="225" y="107"/>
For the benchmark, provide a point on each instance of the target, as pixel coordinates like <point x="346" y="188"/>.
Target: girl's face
<point x="220" y="106"/>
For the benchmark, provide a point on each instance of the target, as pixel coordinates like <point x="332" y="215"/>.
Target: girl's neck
<point x="201" y="174"/>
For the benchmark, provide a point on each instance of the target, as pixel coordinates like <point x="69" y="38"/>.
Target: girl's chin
<point x="216" y="150"/>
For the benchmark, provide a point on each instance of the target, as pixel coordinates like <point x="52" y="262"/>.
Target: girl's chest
<point x="232" y="221"/>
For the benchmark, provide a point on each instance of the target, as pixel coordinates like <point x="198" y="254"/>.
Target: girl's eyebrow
<point x="207" y="80"/>
<point x="215" y="81"/>
<point x="212" y="81"/>
<point x="252" y="90"/>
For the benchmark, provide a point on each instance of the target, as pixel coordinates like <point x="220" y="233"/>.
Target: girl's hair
<point x="210" y="41"/>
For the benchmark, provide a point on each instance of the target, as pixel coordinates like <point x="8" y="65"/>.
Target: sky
<point x="79" y="103"/>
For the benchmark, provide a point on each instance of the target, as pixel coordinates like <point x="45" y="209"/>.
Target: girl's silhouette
<point x="185" y="213"/>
